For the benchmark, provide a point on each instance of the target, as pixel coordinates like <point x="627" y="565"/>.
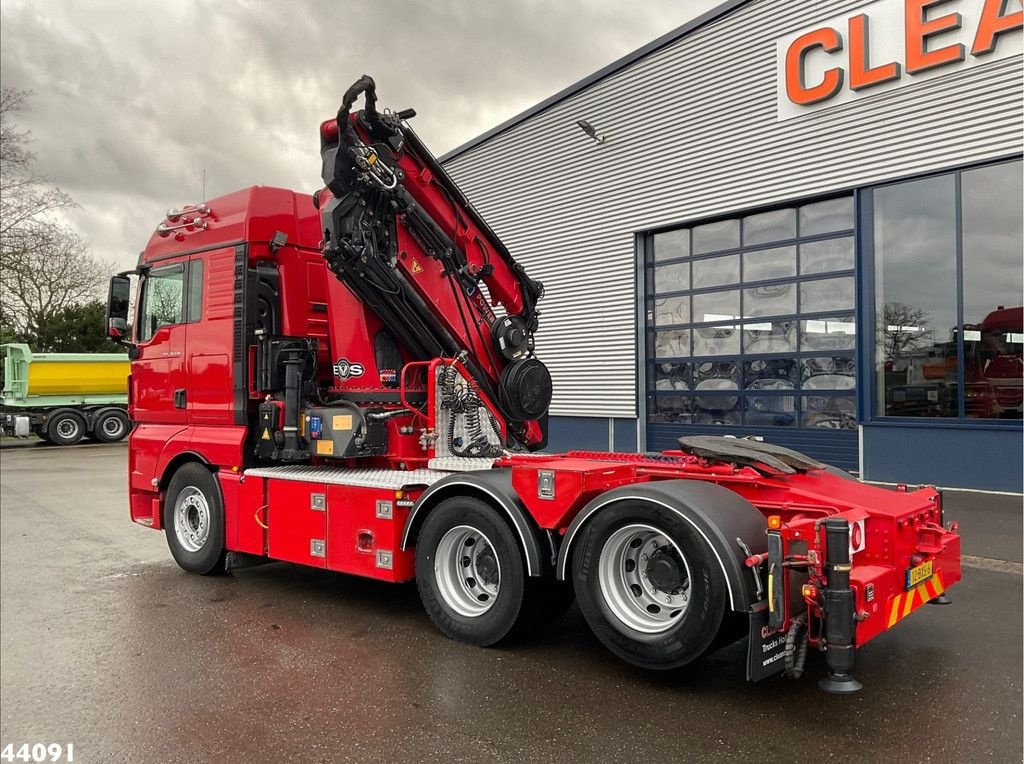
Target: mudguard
<point x="493" y="487"/>
<point x="716" y="513"/>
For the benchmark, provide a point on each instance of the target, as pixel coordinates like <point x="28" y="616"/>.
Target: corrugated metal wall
<point x="691" y="132"/>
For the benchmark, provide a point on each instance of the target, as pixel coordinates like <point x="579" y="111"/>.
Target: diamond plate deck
<point x="364" y="478"/>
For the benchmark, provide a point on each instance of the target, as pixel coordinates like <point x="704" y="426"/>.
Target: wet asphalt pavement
<point x="105" y="643"/>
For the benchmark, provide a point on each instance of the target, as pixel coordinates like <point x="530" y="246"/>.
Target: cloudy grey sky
<point x="134" y="99"/>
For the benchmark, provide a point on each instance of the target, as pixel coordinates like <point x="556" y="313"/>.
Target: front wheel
<point x="469" y="571"/>
<point x="649" y="586"/>
<point x="194" y="520"/>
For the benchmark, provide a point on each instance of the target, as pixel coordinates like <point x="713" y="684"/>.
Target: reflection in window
<point x="674" y="409"/>
<point x="827" y="294"/>
<point x="163" y="293"/>
<point x="771" y="410"/>
<point x="769" y="337"/>
<point x="828" y="334"/>
<point x="764" y="264"/>
<point x="672" y="278"/>
<point x="672" y="343"/>
<point x="765" y="374"/>
<point x="915" y="297"/>
<point x="826" y="217"/>
<point x="828" y="373"/>
<point x="670" y="310"/>
<point x="992" y="200"/>
<point x="770" y="300"/>
<point x="779" y="225"/>
<point x="715" y="237"/>
<point x="671" y="376"/>
<point x="827" y="255"/>
<point x="716" y="340"/>
<point x="672" y="244"/>
<point x="829" y="412"/>
<point x="716" y="271"/>
<point x="716" y="306"/>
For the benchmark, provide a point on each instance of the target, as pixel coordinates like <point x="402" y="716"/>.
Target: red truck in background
<point x="349" y="381"/>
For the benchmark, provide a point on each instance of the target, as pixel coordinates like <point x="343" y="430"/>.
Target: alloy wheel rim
<point x="467" y="571"/>
<point x="644" y="579"/>
<point x="191" y="519"/>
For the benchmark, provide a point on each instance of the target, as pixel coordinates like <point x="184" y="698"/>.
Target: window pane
<point x="828" y="334"/>
<point x="674" y="409"/>
<point x="827" y="294"/>
<point x="767" y="227"/>
<point x="716" y="306"/>
<point x="828" y="255"/>
<point x="162" y="301"/>
<point x="716" y="271"/>
<point x="770" y="374"/>
<point x="769" y="337"/>
<point x="915" y="297"/>
<point x="826" y="217"/>
<point x="763" y="264"/>
<point x="672" y="278"/>
<point x="829" y="412"/>
<point x="773" y="300"/>
<point x="770" y="410"/>
<point x="195" y="290"/>
<point x="992" y="200"/>
<point x="672" y="343"/>
<point x="828" y="373"/>
<point x="716" y="375"/>
<point x="714" y="237"/>
<point x="670" y="376"/>
<point x="717" y="410"/>
<point x="716" y="340"/>
<point x="671" y="244"/>
<point x="669" y="310"/>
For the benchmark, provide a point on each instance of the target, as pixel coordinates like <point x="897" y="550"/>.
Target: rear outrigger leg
<point x="839" y="610"/>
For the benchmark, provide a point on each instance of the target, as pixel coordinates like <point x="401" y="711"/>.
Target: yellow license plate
<point x="918" y="574"/>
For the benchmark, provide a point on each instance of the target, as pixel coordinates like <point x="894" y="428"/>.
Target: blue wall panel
<point x="951" y="457"/>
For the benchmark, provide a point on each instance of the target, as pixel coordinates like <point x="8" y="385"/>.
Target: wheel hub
<point x="665" y="571"/>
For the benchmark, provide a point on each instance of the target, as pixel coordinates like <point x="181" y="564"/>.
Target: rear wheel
<point x="194" y="520"/>
<point x="111" y="426"/>
<point x="469" y="571"/>
<point x="65" y="428"/>
<point x="649" y="586"/>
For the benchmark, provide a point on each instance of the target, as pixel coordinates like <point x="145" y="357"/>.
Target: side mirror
<point x="119" y="297"/>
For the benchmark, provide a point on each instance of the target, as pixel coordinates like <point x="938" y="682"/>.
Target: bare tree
<point x="903" y="329"/>
<point x="44" y="266"/>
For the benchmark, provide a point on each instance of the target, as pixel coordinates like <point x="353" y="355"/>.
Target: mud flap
<point x="765" y="648"/>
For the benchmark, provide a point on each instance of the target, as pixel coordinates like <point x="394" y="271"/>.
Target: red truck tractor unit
<point x="348" y="381"/>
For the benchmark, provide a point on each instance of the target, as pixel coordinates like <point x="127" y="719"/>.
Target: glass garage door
<point x="750" y="330"/>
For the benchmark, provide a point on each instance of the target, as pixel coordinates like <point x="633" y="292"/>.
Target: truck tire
<point x="111" y="426"/>
<point x="469" y="571"/>
<point x="65" y="428"/>
<point x="194" y="520"/>
<point x="649" y="586"/>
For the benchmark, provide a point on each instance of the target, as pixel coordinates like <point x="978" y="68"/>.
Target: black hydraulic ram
<point x="838" y="603"/>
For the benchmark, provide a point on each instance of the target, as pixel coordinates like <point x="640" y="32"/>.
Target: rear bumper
<point x="883" y="598"/>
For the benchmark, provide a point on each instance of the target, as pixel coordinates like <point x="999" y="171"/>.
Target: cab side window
<point x="163" y="294"/>
<point x="195" y="290"/>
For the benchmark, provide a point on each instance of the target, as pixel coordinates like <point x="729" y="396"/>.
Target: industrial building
<point x="788" y="219"/>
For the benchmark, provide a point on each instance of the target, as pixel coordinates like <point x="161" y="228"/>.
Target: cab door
<point x="158" y="372"/>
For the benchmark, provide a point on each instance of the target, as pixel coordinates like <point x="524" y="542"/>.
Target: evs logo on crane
<point x="891" y="44"/>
